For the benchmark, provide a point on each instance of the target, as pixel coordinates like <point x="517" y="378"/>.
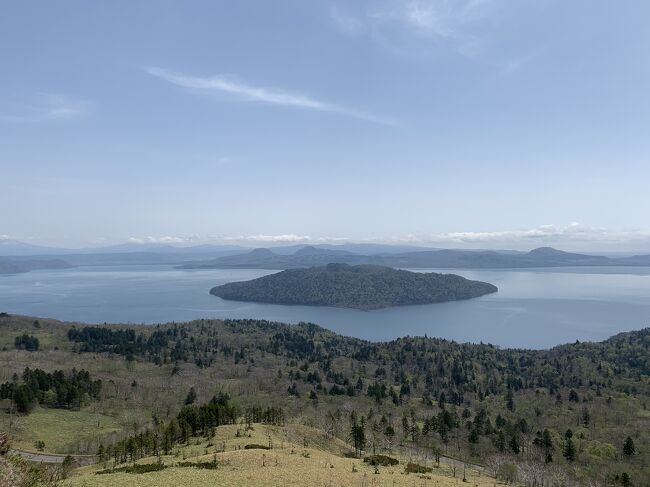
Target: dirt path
<point x="53" y="458"/>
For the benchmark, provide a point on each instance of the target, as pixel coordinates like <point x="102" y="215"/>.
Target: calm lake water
<point x="534" y="308"/>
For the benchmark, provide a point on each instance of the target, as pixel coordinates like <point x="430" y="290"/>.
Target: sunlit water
<point x="534" y="308"/>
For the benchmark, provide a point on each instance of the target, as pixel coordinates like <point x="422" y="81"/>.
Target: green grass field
<point x="61" y="430"/>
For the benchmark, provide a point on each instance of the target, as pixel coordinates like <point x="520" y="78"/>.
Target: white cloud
<point x="230" y="85"/>
<point x="289" y="238"/>
<point x="421" y="28"/>
<point x="42" y="107"/>
<point x="573" y="236"/>
<point x="166" y="239"/>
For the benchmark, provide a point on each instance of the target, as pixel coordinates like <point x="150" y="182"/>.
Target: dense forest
<point x="362" y="287"/>
<point x="56" y="389"/>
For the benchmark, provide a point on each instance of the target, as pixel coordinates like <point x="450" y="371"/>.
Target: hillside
<point x="362" y="287"/>
<point x="510" y="410"/>
<point x="299" y="456"/>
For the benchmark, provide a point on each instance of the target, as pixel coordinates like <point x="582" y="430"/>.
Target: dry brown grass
<point x="289" y="463"/>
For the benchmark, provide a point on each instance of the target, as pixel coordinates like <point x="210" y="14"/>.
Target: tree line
<point x="55" y="390"/>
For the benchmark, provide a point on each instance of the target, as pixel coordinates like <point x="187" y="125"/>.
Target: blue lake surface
<point x="535" y="308"/>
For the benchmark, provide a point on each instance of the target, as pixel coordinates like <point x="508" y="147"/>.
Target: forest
<point x="576" y="414"/>
<point x="361" y="286"/>
<point x="56" y="389"/>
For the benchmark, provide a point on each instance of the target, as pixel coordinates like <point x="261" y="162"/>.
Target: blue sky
<point x="469" y="123"/>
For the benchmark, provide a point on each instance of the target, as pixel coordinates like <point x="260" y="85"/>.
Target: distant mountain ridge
<point x="445" y="258"/>
<point x="15" y="266"/>
<point x="218" y="256"/>
<point x="362" y="287"/>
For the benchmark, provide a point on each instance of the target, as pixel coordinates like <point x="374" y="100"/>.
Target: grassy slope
<point x="289" y="463"/>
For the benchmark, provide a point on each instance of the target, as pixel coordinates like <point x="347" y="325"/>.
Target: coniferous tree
<point x="191" y="397"/>
<point x="514" y="445"/>
<point x="510" y="400"/>
<point x="569" y="448"/>
<point x="629" y="449"/>
<point x="501" y="441"/>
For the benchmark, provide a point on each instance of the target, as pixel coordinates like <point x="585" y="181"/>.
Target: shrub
<point x="255" y="446"/>
<point x="381" y="460"/>
<point x="415" y="468"/>
<point x="213" y="465"/>
<point x="507" y="473"/>
<point x="139" y="468"/>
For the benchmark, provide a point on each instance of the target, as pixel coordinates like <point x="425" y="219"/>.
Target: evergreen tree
<point x="569" y="448"/>
<point x="510" y="401"/>
<point x="629" y="449"/>
<point x="473" y="436"/>
<point x="501" y="441"/>
<point x="191" y="397"/>
<point x="547" y="444"/>
<point x="586" y="417"/>
<point x="357" y="434"/>
<point x="514" y="445"/>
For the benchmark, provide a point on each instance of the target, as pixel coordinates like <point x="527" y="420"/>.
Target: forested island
<point x="363" y="287"/>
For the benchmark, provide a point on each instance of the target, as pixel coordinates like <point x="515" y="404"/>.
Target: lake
<point x="534" y="308"/>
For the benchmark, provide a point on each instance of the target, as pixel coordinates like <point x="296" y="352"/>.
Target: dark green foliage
<point x="381" y="460"/>
<point x="255" y="446"/>
<point x="416" y="468"/>
<point x="213" y="465"/>
<point x="362" y="287"/>
<point x="628" y="447"/>
<point x="191" y="397"/>
<point x="122" y="342"/>
<point x="625" y="480"/>
<point x="269" y="415"/>
<point x="136" y="469"/>
<point x="56" y="390"/>
<point x="569" y="451"/>
<point x="26" y="342"/>
<point x="191" y="421"/>
<point x="514" y="445"/>
<point x="357" y="434"/>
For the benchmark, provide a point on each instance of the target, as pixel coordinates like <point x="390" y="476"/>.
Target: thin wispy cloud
<point x="230" y="85"/>
<point x="42" y="107"/>
<point x="423" y="28"/>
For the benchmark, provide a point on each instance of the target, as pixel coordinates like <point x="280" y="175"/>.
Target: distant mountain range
<point x="452" y="259"/>
<point x="21" y="257"/>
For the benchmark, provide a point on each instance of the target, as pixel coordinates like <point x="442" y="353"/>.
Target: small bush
<point x="415" y="468"/>
<point x="205" y="465"/>
<point x="381" y="460"/>
<point x="507" y="473"/>
<point x="139" y="468"/>
<point x="255" y="446"/>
